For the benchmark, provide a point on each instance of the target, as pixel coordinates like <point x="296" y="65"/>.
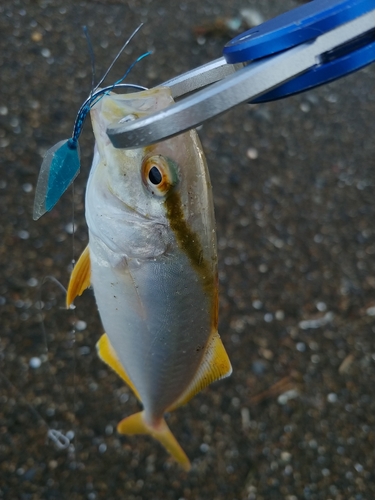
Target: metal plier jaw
<point x="311" y="45"/>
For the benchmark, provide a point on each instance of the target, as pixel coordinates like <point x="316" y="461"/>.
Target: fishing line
<point x="43" y="327"/>
<point x="92" y="58"/>
<point x="75" y="319"/>
<point x="95" y="95"/>
<point x="59" y="168"/>
<point x="118" y="55"/>
<point x="61" y="441"/>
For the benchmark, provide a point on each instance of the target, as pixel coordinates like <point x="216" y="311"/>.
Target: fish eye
<point x="155" y="175"/>
<point x="159" y="174"/>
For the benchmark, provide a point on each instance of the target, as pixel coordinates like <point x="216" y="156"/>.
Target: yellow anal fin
<point x="135" y="424"/>
<point x="108" y="355"/>
<point x="80" y="278"/>
<point x="215" y="365"/>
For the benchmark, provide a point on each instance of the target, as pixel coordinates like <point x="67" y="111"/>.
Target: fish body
<point x="152" y="262"/>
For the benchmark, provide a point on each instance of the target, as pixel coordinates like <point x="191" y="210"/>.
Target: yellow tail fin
<point x="135" y="424"/>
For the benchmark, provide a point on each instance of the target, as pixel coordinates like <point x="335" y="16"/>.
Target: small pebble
<point x="253" y="17"/>
<point x="46" y="53"/>
<point x="268" y="317"/>
<point x="70" y="435"/>
<point x="288" y="470"/>
<point x="236" y="402"/>
<point x="84" y="350"/>
<point x="24" y="235"/>
<point x="279" y="315"/>
<point x="301" y="346"/>
<point x="332" y="397"/>
<point x="370" y="311"/>
<point x="35" y="363"/>
<point x="27" y="187"/>
<point x="321" y="306"/>
<point x="36" y="36"/>
<point x="305" y="107"/>
<point x="267" y="354"/>
<point x="70" y="228"/>
<point x="80" y="325"/>
<point x="245" y="418"/>
<point x="124" y="397"/>
<point x="252" y="153"/>
<point x="258" y="367"/>
<point x="286" y="456"/>
<point x="286" y="396"/>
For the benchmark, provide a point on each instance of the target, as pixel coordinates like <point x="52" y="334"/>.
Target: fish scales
<point x="152" y="261"/>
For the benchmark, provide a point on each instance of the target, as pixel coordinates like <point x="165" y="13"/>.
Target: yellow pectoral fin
<point x="108" y="355"/>
<point x="135" y="424"/>
<point x="80" y="278"/>
<point x="215" y="365"/>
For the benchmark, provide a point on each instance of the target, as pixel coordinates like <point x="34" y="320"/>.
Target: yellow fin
<point x="108" y="355"/>
<point x="135" y="424"/>
<point x="215" y="365"/>
<point x="80" y="278"/>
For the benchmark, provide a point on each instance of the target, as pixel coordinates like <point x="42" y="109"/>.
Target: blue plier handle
<point x="308" y="46"/>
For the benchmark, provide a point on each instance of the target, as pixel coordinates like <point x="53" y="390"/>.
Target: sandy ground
<point x="294" y="189"/>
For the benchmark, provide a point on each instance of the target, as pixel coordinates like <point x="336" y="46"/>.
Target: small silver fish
<point x="152" y="262"/>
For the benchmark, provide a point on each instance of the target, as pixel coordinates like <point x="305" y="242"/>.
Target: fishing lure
<point x="61" y="163"/>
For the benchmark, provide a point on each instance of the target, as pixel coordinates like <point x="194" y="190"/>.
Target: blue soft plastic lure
<point x="61" y="163"/>
<point x="59" y="169"/>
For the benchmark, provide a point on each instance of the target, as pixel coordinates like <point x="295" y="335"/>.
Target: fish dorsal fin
<point x="108" y="355"/>
<point x="80" y="278"/>
<point x="215" y="365"/>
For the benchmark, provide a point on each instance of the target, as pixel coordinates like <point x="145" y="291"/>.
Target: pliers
<point x="308" y="46"/>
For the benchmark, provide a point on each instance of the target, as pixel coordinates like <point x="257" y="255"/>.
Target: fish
<point x="152" y="263"/>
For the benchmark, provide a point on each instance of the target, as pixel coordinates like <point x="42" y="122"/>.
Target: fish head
<point x="140" y="178"/>
<point x="166" y="183"/>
